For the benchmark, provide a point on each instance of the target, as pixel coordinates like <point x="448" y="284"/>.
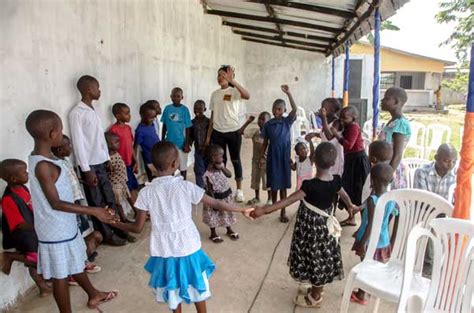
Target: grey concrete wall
<point x="138" y="50"/>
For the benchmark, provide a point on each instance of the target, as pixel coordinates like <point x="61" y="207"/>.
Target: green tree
<point x="460" y="12"/>
<point x="386" y="25"/>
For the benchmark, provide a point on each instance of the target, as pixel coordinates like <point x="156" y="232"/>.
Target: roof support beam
<point x="309" y="7"/>
<point x="274" y="31"/>
<point x="274" y="20"/>
<point x="277" y="38"/>
<point x="283" y="45"/>
<point x="271" y="14"/>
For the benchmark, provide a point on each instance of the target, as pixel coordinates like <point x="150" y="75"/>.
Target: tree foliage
<point x="386" y="25"/>
<point x="458" y="83"/>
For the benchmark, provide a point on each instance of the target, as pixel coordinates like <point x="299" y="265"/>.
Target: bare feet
<point x="45" y="291"/>
<point x="284" y="218"/>
<point x="100" y="298"/>
<point x="7" y="263"/>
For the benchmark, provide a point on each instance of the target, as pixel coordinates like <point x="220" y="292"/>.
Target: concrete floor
<point x="251" y="275"/>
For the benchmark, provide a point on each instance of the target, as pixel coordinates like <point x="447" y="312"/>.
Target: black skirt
<point x="315" y="256"/>
<point x="356" y="170"/>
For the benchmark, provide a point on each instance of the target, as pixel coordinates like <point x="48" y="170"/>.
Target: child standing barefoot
<point x="218" y="187"/>
<point x="315" y="254"/>
<point x="304" y="163"/>
<point x="61" y="250"/>
<point x="179" y="269"/>
<point x="276" y="136"/>
<point x="381" y="176"/>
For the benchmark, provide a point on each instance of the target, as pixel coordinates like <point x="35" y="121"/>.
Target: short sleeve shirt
<point x="321" y="193"/>
<point x="169" y="201"/>
<point x="176" y="119"/>
<point x="124" y="133"/>
<point x="118" y="174"/>
<point x="10" y="208"/>
<point x="399" y="126"/>
<point x="146" y="138"/>
<point x="257" y="141"/>
<point x="225" y="105"/>
<point x="199" y="132"/>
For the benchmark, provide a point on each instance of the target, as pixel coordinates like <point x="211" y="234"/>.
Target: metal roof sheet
<point x="321" y="26"/>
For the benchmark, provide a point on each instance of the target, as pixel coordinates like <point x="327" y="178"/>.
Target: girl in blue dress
<point x="276" y="136"/>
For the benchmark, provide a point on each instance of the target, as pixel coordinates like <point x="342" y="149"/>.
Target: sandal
<point x="110" y="296"/>
<point x="307" y="301"/>
<point x="355" y="299"/>
<point x="304" y="289"/>
<point x="233" y="236"/>
<point x="216" y="239"/>
<point x="253" y="201"/>
<point x="92" y="268"/>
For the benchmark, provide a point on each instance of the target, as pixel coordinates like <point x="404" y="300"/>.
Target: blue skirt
<point x="178" y="279"/>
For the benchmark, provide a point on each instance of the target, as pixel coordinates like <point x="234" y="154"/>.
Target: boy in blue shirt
<point x="146" y="136"/>
<point x="177" y="124"/>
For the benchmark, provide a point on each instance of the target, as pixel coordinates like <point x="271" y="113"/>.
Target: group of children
<point x="179" y="269"/>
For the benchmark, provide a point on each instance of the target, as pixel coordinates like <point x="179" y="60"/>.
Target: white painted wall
<point x="138" y="50"/>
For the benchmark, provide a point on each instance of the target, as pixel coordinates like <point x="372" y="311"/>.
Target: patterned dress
<point x="118" y="178"/>
<point x="315" y="256"/>
<point x="218" y="187"/>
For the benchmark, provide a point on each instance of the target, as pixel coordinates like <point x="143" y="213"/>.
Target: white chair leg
<point x="376" y="304"/>
<point x="347" y="293"/>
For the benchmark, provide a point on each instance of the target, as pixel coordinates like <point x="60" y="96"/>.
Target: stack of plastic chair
<point x="417" y="138"/>
<point x="384" y="280"/>
<point x="413" y="164"/>
<point x="435" y="137"/>
<point x="451" y="288"/>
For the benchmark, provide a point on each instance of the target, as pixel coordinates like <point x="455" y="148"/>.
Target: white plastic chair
<point x="367" y="143"/>
<point x="452" y="279"/>
<point x="413" y="164"/>
<point x="367" y="128"/>
<point x="417" y="138"/>
<point x="312" y="121"/>
<point x="434" y="137"/>
<point x="384" y="280"/>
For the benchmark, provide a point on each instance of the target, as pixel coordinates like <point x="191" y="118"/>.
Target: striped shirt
<point x="427" y="178"/>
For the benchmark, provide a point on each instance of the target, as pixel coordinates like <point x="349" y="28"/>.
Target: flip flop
<point x="216" y="239"/>
<point x="355" y="299"/>
<point x="304" y="289"/>
<point x="110" y="296"/>
<point x="347" y="223"/>
<point x="302" y="301"/>
<point x="233" y="236"/>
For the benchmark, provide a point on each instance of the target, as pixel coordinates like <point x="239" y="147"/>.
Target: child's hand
<point x="310" y="137"/>
<point x="261" y="162"/>
<point x="219" y="166"/>
<point x="135" y="168"/>
<point x="91" y="178"/>
<point x="257" y="212"/>
<point x="105" y="215"/>
<point x="251" y="118"/>
<point x="229" y="74"/>
<point x="323" y="112"/>
<point x="285" y="89"/>
<point x="247" y="213"/>
<point x="359" y="249"/>
<point x="334" y="131"/>
<point x="354" y="209"/>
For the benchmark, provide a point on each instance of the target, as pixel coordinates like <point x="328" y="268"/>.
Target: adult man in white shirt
<point x="90" y="150"/>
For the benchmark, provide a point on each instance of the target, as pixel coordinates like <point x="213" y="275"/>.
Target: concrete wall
<point x="138" y="50"/>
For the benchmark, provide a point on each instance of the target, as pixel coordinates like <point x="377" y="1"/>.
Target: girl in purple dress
<point x="276" y="136"/>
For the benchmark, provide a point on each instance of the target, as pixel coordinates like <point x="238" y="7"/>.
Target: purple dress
<point x="218" y="186"/>
<point x="277" y="132"/>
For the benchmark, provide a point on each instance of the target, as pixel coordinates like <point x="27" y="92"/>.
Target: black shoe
<point x="116" y="241"/>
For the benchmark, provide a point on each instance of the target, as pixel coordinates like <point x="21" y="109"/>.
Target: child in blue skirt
<point x="179" y="269"/>
<point x="276" y="136"/>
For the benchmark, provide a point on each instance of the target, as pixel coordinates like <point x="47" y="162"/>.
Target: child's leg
<point x="61" y="295"/>
<point x="269" y="195"/>
<point x="9" y="257"/>
<point x="178" y="309"/>
<point x="201" y="307"/>
<point x="96" y="297"/>
<point x="283" y="216"/>
<point x="257" y="194"/>
<point x="274" y="195"/>
<point x="45" y="290"/>
<point x="184" y="173"/>
<point x="316" y="292"/>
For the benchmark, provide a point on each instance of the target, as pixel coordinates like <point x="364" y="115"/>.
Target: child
<point x="218" y="188"/>
<point x="118" y="177"/>
<point x="259" y="170"/>
<point x="329" y="112"/>
<point x="146" y="136"/>
<point x="397" y="132"/>
<point x="62" y="154"/>
<point x="315" y="255"/>
<point x="121" y="112"/>
<point x="356" y="162"/>
<point x="176" y="127"/>
<point x="198" y="136"/>
<point x="276" y="136"/>
<point x="381" y="176"/>
<point x="61" y="250"/>
<point x="304" y="163"/>
<point x="18" y="222"/>
<point x="379" y="152"/>
<point x="175" y="242"/>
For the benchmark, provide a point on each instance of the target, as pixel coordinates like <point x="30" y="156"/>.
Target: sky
<point x="419" y="31"/>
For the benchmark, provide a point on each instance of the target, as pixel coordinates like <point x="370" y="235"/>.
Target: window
<point x="387" y="80"/>
<point x="406" y="81"/>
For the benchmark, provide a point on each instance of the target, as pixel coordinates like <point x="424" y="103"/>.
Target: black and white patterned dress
<point x="315" y="256"/>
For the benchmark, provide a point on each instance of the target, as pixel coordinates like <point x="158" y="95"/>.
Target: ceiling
<point x="320" y="26"/>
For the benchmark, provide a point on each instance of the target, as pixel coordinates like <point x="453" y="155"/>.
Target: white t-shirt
<point x="226" y="106"/>
<point x="169" y="200"/>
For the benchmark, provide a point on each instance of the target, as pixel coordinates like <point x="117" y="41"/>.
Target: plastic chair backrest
<point x="415" y="206"/>
<point x="367" y="143"/>
<point x="418" y="130"/>
<point x="435" y="135"/>
<point x="413" y="164"/>
<point x="452" y="281"/>
<point x="301" y="113"/>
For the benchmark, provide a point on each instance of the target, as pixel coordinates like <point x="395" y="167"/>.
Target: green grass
<point x="454" y="119"/>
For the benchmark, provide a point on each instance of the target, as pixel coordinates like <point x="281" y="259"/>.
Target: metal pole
<point x="333" y="79"/>
<point x="345" y="95"/>
<point x="376" y="86"/>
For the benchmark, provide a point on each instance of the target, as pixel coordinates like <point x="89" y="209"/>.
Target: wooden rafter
<point x="280" y="21"/>
<point x="277" y="38"/>
<point x="271" y="14"/>
<point x="309" y="7"/>
<point x="283" y="45"/>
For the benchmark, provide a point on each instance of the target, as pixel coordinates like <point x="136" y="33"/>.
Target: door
<point x="355" y="79"/>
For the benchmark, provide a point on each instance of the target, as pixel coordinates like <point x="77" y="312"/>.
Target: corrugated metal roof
<point x="321" y="26"/>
